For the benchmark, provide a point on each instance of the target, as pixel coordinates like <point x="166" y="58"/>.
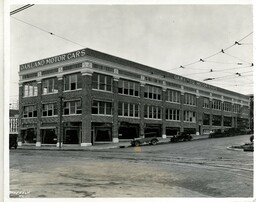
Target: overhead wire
<point x="213" y="71"/>
<point x="48" y="32"/>
<point x="21" y="9"/>
<point x="222" y="51"/>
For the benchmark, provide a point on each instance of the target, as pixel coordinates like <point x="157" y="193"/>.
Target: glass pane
<point x="125" y="109"/>
<point x="30" y="90"/>
<point x="131" y="110"/>
<point x="102" y="82"/>
<point x="108" y="108"/>
<point x="136" y="110"/>
<point x="102" y="108"/>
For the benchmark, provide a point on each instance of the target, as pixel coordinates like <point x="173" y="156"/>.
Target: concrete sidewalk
<point x="99" y="146"/>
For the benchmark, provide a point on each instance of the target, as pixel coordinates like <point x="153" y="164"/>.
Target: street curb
<point x="93" y="148"/>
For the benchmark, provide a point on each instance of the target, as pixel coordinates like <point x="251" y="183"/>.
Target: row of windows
<point x="126" y="110"/>
<point x="105" y="83"/>
<point x="104" y="108"/>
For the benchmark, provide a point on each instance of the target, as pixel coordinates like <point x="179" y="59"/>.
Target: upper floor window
<point x="152" y="112"/>
<point x="206" y="103"/>
<point x="49" y="109"/>
<point x="172" y="114"/>
<point x="152" y="92"/>
<point x="173" y="96"/>
<point x="190" y="99"/>
<point x="128" y="87"/>
<point x="29" y="111"/>
<point x="72" y="107"/>
<point x="73" y="81"/>
<point x="128" y="109"/>
<point x="190" y="116"/>
<point x="216" y="104"/>
<point x="102" y="82"/>
<point x="30" y="89"/>
<point x="236" y="108"/>
<point x="227" y="106"/>
<point x="49" y="85"/>
<point x="101" y="107"/>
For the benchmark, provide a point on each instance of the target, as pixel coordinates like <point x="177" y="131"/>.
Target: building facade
<point x="86" y="96"/>
<point x="13" y="121"/>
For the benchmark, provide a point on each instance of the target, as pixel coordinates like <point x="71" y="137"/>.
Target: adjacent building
<point x="86" y="96"/>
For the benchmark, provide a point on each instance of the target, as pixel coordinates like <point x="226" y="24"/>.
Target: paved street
<point x="203" y="168"/>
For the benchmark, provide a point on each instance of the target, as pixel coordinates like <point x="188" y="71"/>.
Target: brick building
<point x="87" y="96"/>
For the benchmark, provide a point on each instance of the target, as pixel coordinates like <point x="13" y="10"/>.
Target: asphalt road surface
<point x="203" y="168"/>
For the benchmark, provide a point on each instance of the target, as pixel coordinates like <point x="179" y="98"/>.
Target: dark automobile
<point x="13" y="141"/>
<point x="183" y="136"/>
<point x="150" y="138"/>
<point x="252" y="138"/>
<point x="146" y="140"/>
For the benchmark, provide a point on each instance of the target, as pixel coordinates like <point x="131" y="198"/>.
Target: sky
<point x="161" y="36"/>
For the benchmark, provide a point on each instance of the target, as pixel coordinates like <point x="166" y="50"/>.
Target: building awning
<point x="47" y="127"/>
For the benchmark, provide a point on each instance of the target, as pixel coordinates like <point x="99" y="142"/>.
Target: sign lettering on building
<point x="190" y="81"/>
<point x="55" y="59"/>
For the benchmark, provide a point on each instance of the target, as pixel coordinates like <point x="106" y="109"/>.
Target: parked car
<point x="252" y="138"/>
<point x="183" y="136"/>
<point x="150" y="138"/>
<point x="13" y="141"/>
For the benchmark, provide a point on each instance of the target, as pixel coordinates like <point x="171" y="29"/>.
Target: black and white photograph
<point x="129" y="101"/>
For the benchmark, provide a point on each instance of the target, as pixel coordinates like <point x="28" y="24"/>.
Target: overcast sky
<point x="161" y="36"/>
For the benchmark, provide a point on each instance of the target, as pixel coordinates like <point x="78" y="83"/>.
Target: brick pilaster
<point x="86" y="139"/>
<point x="182" y="100"/>
<point x="60" y="132"/>
<point x="115" y="111"/>
<point x="164" y="98"/>
<point x="222" y="116"/>
<point x="39" y="113"/>
<point x="142" y="134"/>
<point x="210" y="107"/>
